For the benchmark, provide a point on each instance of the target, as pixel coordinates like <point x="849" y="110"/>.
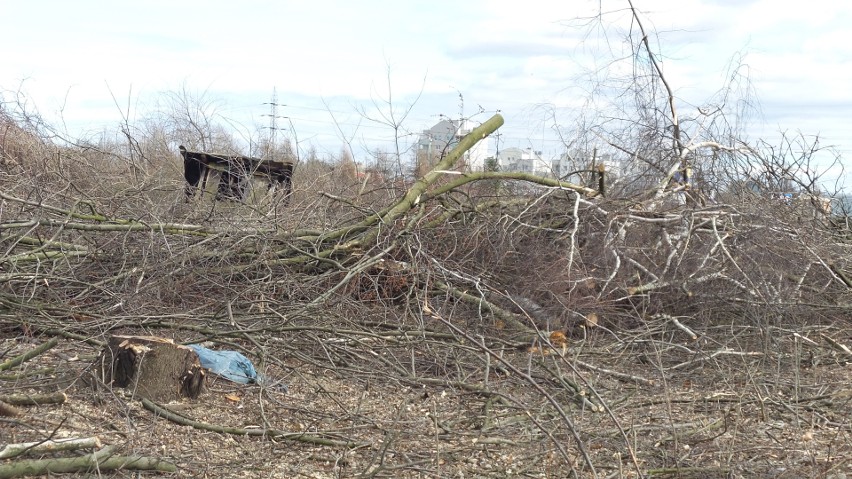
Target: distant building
<point x="578" y="160"/>
<point x="521" y="160"/>
<point x="437" y="141"/>
<point x="530" y="161"/>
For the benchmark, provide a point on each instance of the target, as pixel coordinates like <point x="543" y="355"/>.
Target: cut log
<point x="42" y="447"/>
<point x="34" y="399"/>
<point x="151" y="367"/>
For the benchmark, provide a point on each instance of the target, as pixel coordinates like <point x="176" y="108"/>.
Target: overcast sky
<point x="328" y="60"/>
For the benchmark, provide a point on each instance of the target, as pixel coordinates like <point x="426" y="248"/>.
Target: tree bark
<point x="34" y="399"/>
<point x="12" y="450"/>
<point x="40" y="467"/>
<point x="151" y="367"/>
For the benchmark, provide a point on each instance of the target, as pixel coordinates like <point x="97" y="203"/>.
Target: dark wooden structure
<point x="234" y="173"/>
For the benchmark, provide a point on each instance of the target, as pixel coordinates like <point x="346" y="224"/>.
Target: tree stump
<point x="151" y="367"/>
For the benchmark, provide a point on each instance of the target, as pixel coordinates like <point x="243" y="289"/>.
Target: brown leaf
<point x="591" y="320"/>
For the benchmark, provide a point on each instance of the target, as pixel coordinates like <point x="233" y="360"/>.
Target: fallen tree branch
<point x="837" y="345"/>
<point x="679" y="325"/>
<point x="610" y="372"/>
<point x="27" y="373"/>
<point x="509" y="175"/>
<point x="16" y="361"/>
<point x="40" y="467"/>
<point x="34" y="399"/>
<point x="497" y="311"/>
<point x="71" y="444"/>
<point x="269" y="433"/>
<point x="690" y="471"/>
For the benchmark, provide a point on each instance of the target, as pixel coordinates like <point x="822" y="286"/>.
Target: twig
<point x="497" y="311"/>
<point x="570" y="425"/>
<point x="679" y="325"/>
<point x="713" y="355"/>
<point x="836" y="345"/>
<point x="617" y="374"/>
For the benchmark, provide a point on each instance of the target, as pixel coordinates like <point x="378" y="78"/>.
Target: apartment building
<point x="434" y="143"/>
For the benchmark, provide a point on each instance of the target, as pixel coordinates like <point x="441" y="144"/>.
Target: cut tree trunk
<point x="152" y="368"/>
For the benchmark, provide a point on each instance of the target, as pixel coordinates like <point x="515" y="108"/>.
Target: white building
<point x="437" y="141"/>
<point x="577" y="160"/>
<point x="521" y="160"/>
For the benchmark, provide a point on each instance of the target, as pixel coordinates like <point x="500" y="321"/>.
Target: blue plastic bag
<point x="230" y="365"/>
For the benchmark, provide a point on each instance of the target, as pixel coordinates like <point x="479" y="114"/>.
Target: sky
<point x="340" y="68"/>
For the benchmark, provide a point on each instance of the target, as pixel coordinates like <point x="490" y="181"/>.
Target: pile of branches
<point x="461" y="263"/>
<point x="545" y="258"/>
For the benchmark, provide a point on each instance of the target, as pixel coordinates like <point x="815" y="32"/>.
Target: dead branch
<point x="837" y="345"/>
<point x="17" y="361"/>
<point x="109" y="462"/>
<point x="261" y="432"/>
<point x="34" y="399"/>
<point x="52" y="445"/>
<point x="620" y="375"/>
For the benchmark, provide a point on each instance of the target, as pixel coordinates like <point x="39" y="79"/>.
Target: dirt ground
<point x="421" y="401"/>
